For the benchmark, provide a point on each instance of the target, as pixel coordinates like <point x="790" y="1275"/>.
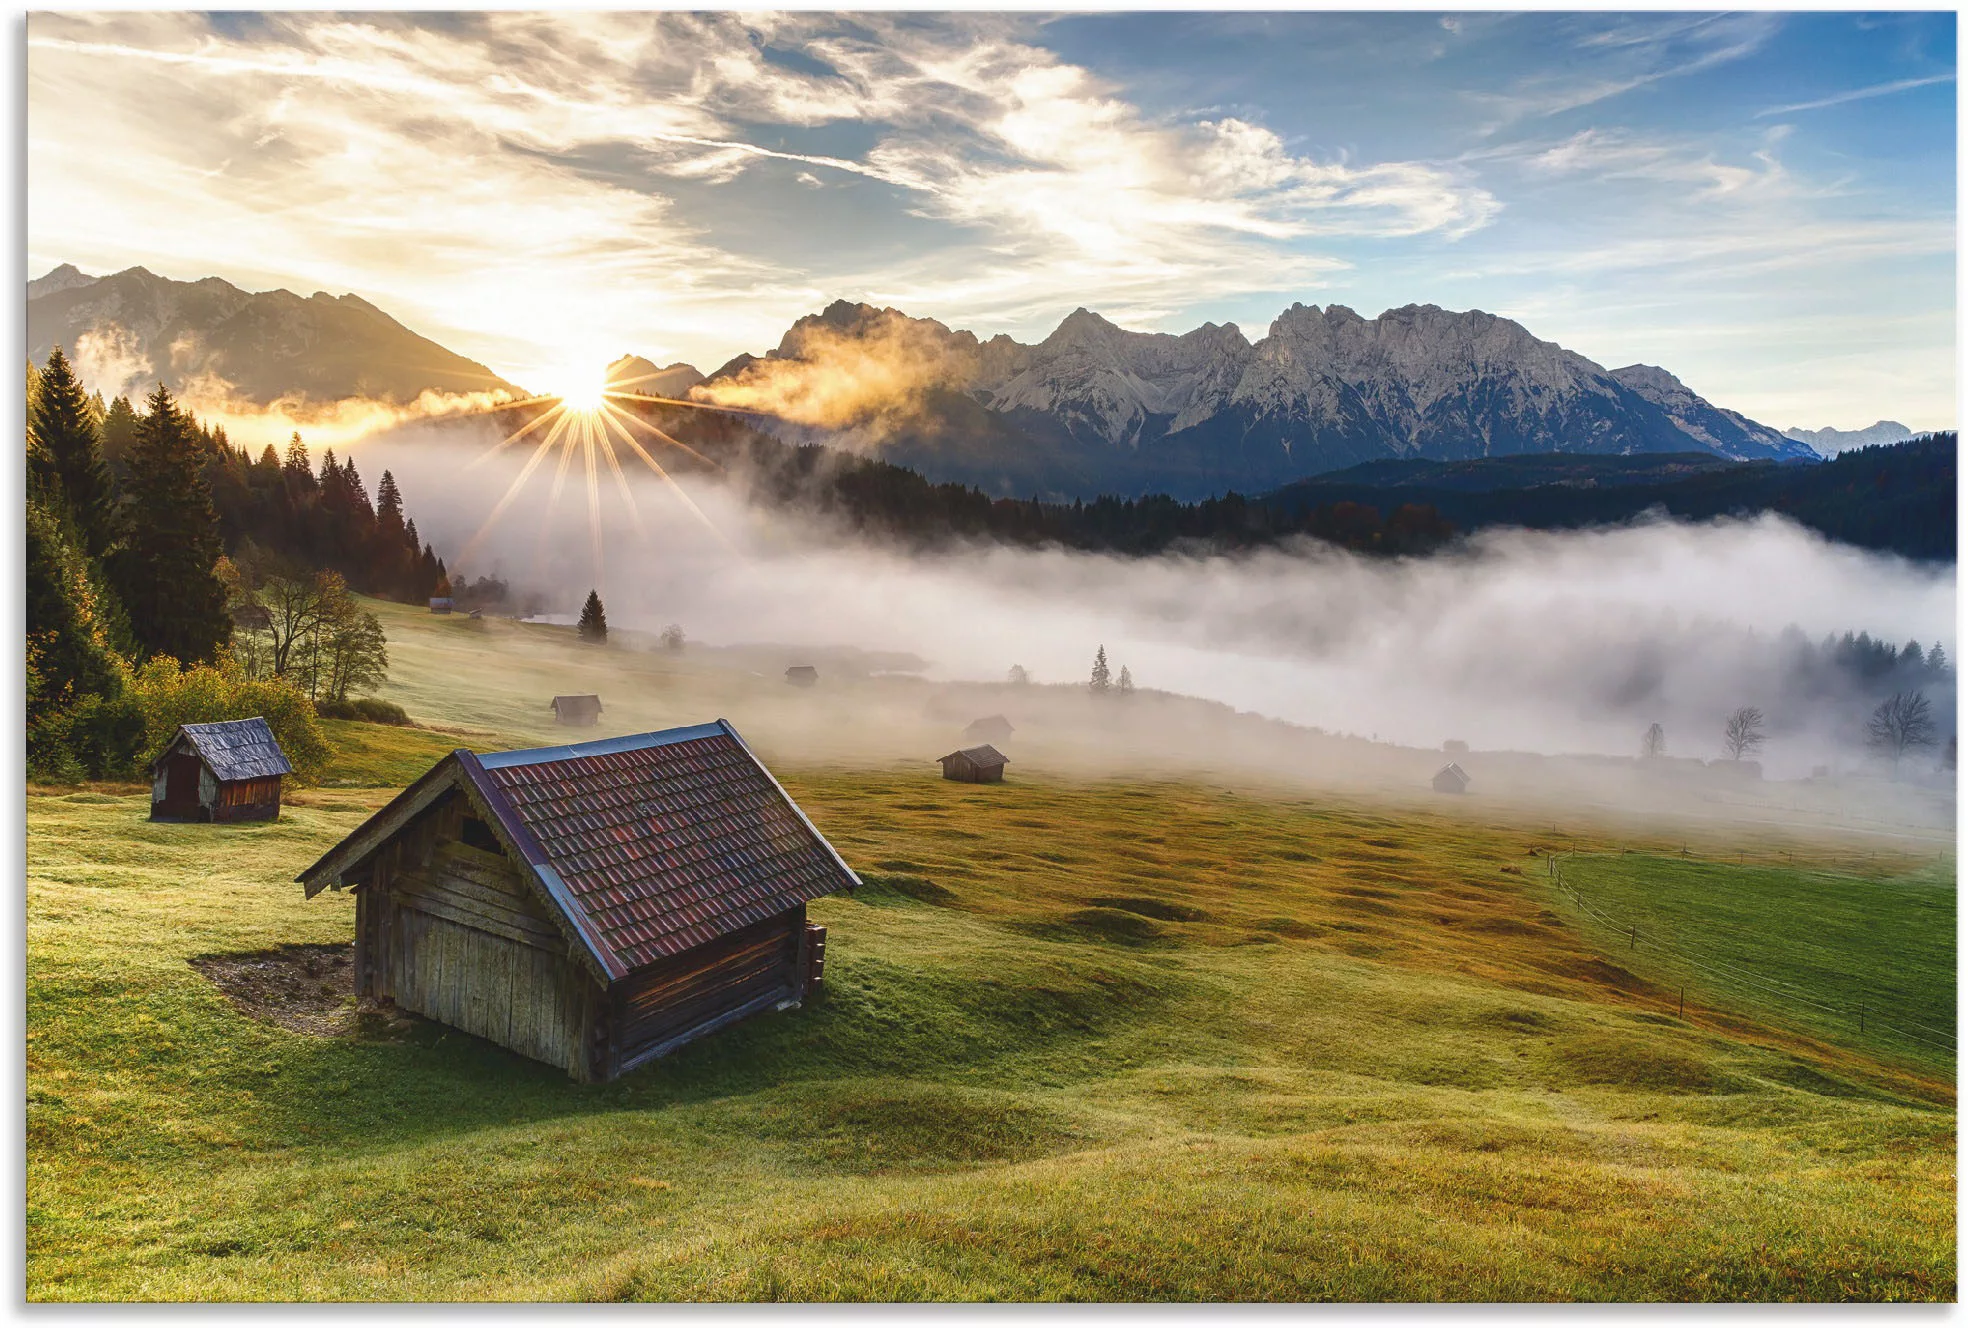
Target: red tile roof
<point x="658" y="842"/>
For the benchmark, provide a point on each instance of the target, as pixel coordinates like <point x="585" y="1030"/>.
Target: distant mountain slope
<point x="1830" y="442"/>
<point x="1895" y="498"/>
<point x="634" y="374"/>
<point x="1097" y="408"/>
<point x="214" y="339"/>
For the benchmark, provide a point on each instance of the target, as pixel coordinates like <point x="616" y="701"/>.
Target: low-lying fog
<point x="1562" y="642"/>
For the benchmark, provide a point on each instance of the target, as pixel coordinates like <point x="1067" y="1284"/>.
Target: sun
<point x="582" y="390"/>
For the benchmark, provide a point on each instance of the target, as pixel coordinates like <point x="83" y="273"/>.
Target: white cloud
<point x="443" y="170"/>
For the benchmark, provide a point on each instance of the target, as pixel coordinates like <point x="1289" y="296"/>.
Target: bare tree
<point x="1902" y="721"/>
<point x="1743" y="733"/>
<point x="297" y="607"/>
<point x="1655" y="742"/>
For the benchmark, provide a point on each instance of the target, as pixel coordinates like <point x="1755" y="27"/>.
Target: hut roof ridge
<point x="236" y="748"/>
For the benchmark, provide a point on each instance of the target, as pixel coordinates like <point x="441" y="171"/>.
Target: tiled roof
<point x="236" y="749"/>
<point x="985" y="755"/>
<point x="657" y="843"/>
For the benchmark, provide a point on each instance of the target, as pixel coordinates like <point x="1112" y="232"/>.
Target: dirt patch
<point x="306" y="988"/>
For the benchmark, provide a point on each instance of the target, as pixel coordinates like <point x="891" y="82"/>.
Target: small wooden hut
<point x="1451" y="779"/>
<point x="577" y="712"/>
<point x="975" y="765"/>
<point x="991" y="728"/>
<point x="593" y="906"/>
<point x="228" y="771"/>
<point x="802" y="675"/>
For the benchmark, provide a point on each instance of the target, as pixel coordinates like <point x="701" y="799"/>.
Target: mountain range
<point x="1092" y="408"/>
<point x="1830" y="442"/>
<point x="211" y="341"/>
<point x="1096" y="407"/>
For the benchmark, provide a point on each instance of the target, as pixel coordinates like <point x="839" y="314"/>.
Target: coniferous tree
<point x="163" y="573"/>
<point x="1125" y="686"/>
<point x="1655" y="741"/>
<point x="119" y="434"/>
<point x="594" y="620"/>
<point x="300" y="477"/>
<point x="1098" y="684"/>
<point x="59" y="425"/>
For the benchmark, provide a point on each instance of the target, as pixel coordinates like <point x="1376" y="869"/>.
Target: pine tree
<point x="1654" y="743"/>
<point x="389" y="510"/>
<point x="594" y="620"/>
<point x="60" y="427"/>
<point x="119" y="432"/>
<point x="1126" y="684"/>
<point x="300" y="477"/>
<point x="163" y="572"/>
<point x="1937" y="661"/>
<point x="1099" y="684"/>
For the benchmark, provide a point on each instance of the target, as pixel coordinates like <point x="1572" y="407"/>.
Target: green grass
<point x="1079" y="1039"/>
<point x="1809" y="947"/>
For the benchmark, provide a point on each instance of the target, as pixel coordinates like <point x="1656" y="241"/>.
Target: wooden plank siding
<point x="452" y="933"/>
<point x="754" y="965"/>
<point x="248" y="800"/>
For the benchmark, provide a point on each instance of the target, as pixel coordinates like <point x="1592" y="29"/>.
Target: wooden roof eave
<point x="333" y="868"/>
<point x="524" y="849"/>
<point x="455" y="772"/>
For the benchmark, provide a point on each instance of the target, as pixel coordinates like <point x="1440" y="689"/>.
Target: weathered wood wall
<point x="247" y="800"/>
<point x="451" y="932"/>
<point x="753" y="968"/>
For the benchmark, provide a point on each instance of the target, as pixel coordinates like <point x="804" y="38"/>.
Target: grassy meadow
<point x="1126" y="1038"/>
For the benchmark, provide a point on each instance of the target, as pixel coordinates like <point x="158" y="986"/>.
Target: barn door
<point x="181" y="784"/>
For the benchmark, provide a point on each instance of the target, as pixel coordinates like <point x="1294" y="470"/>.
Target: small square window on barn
<point x="479" y="835"/>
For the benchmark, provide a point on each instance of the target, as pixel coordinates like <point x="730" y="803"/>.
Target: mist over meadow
<point x="1556" y="642"/>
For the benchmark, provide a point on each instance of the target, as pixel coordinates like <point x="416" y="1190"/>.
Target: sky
<point x="1763" y="203"/>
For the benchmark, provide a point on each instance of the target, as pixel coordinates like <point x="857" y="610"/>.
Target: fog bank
<point x="1552" y="642"/>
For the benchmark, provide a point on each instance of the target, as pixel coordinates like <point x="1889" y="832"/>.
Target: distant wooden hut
<point x="991" y="728"/>
<point x="577" y="712"/>
<point x="593" y="906"/>
<point x="802" y="675"/>
<point x="227" y="771"/>
<point x="975" y="765"/>
<point x="440" y="604"/>
<point x="1451" y="779"/>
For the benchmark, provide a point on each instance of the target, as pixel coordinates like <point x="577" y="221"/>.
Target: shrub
<point x="366" y="709"/>
<point x="171" y="695"/>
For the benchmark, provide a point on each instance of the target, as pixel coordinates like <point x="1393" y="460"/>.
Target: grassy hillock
<point x="1096" y="1038"/>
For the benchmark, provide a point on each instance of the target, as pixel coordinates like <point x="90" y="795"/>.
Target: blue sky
<point x="1763" y="203"/>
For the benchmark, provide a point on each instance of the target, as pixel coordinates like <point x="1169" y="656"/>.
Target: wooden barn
<point x="1451" y="779"/>
<point x="593" y="906"/>
<point x="991" y="728"/>
<point x="228" y="771"/>
<point x="802" y="675"/>
<point x="975" y="765"/>
<point x="577" y="712"/>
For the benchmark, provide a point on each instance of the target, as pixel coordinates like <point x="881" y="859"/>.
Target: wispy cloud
<point x="374" y="153"/>
<point x="1858" y="94"/>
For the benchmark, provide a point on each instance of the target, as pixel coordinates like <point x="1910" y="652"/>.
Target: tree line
<point x="161" y="563"/>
